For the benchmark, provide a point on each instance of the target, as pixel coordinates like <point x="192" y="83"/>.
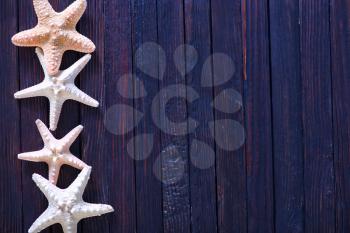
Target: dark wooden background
<point x="293" y="71"/>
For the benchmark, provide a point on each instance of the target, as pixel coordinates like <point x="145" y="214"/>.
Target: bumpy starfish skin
<point x="55" y="33"/>
<point x="59" y="88"/>
<point x="55" y="152"/>
<point x="66" y="206"/>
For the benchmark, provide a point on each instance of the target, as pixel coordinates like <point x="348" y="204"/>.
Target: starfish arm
<point x="76" y="94"/>
<point x="35" y="156"/>
<point x="44" y="132"/>
<point x="43" y="9"/>
<point x="49" y="217"/>
<point x="53" y="57"/>
<point x="54" y="172"/>
<point x="30" y="38"/>
<point x="46" y="187"/>
<point x="77" y="42"/>
<point x="72" y="72"/>
<point x="87" y="210"/>
<point x="34" y="91"/>
<point x="40" y="53"/>
<point x="73" y="161"/>
<point x="79" y="184"/>
<point x="55" y="111"/>
<point x="69" y="139"/>
<point x="73" y="12"/>
<point x="69" y="226"/>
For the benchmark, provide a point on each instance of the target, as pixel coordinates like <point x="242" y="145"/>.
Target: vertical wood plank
<point x="95" y="150"/>
<point x="176" y="196"/>
<point x="202" y="179"/>
<point x="31" y="73"/>
<point x="287" y="116"/>
<point x="10" y="167"/>
<point x="117" y="62"/>
<point x="317" y="116"/>
<point x="258" y="120"/>
<point x="230" y="165"/>
<point x="340" y="53"/>
<point x="148" y="187"/>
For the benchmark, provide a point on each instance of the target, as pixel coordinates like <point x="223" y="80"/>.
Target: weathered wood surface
<point x="156" y="161"/>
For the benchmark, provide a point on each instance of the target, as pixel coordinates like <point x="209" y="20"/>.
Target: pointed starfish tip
<point x="96" y="104"/>
<point x="14" y="39"/>
<point x="36" y="177"/>
<point x="20" y="156"/>
<point x="53" y="128"/>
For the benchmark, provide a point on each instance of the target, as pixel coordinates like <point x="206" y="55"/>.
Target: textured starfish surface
<point x="66" y="206"/>
<point x="55" y="152"/>
<point x="59" y="88"/>
<point x="55" y="33"/>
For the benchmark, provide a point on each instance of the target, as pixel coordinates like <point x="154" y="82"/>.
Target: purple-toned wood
<point x="340" y="53"/>
<point x="94" y="149"/>
<point x="287" y="116"/>
<point x="149" y="188"/>
<point x="202" y="180"/>
<point x="319" y="186"/>
<point x="10" y="141"/>
<point x="120" y="167"/>
<point x="176" y="195"/>
<point x="227" y="38"/>
<point x="258" y="121"/>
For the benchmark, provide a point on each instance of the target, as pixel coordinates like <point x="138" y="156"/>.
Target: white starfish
<point x="66" y="206"/>
<point x="59" y="88"/>
<point x="55" y="152"/>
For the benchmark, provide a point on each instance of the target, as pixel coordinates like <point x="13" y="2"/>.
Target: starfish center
<point x="57" y="86"/>
<point x="56" y="153"/>
<point x="66" y="206"/>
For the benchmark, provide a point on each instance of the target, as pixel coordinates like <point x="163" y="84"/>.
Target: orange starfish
<point x="55" y="33"/>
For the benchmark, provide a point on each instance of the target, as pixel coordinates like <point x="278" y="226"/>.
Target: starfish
<point x="55" y="152"/>
<point x="59" y="88"/>
<point x="66" y="206"/>
<point x="55" y="33"/>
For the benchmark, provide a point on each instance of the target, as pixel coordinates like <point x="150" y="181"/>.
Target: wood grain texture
<point x="93" y="146"/>
<point x="149" y="188"/>
<point x="10" y="168"/>
<point x="258" y="112"/>
<point x="317" y="116"/>
<point x="287" y="116"/>
<point x="340" y="53"/>
<point x="227" y="36"/>
<point x="117" y="62"/>
<point x="202" y="180"/>
<point x="291" y="67"/>
<point x="176" y="195"/>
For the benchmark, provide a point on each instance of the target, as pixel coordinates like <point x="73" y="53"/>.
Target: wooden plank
<point x="31" y="73"/>
<point x="258" y="120"/>
<point x="202" y="166"/>
<point x="174" y="157"/>
<point x="230" y="165"/>
<point x="149" y="188"/>
<point x="117" y="60"/>
<point x="287" y="116"/>
<point x="10" y="141"/>
<point x="94" y="149"/>
<point x="340" y="14"/>
<point x="317" y="116"/>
